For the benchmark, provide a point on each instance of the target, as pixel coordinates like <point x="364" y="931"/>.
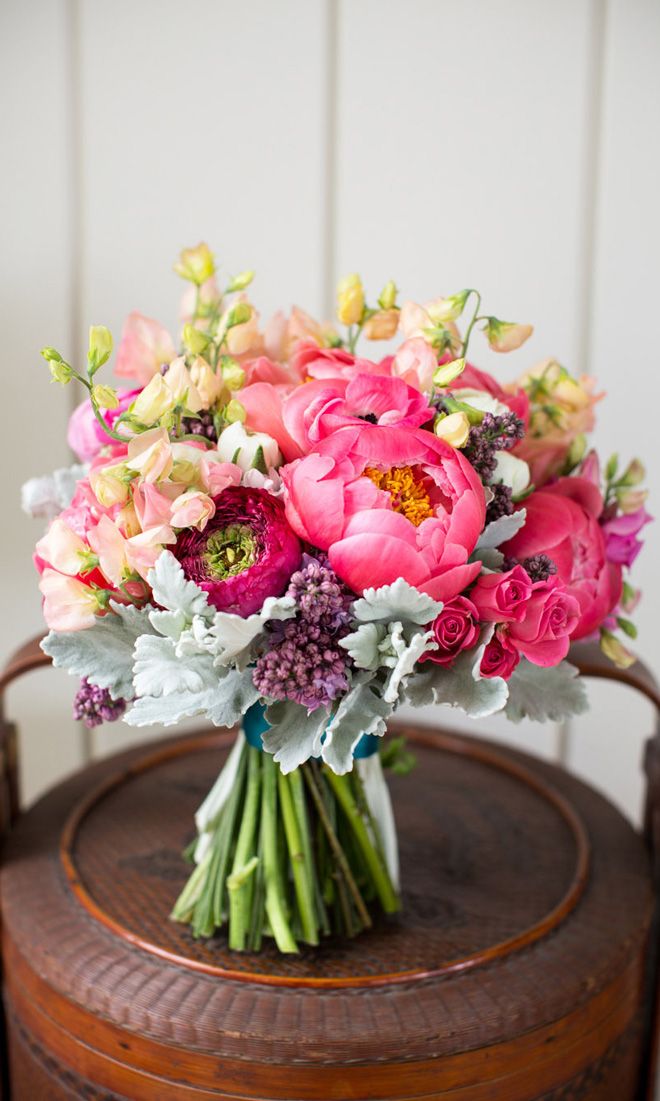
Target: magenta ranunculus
<point x="388" y="503"/>
<point x="454" y="630"/>
<point x="85" y="435"/>
<point x="319" y="408"/>
<point x="551" y="616"/>
<point x="500" y="658"/>
<point x="246" y="552"/>
<point x="562" y="522"/>
<point x="621" y="543"/>
<point x="502" y="597"/>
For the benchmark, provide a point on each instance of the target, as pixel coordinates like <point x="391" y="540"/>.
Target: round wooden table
<point x="521" y="967"/>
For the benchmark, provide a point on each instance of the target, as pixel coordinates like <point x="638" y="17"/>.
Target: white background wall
<point x="506" y="144"/>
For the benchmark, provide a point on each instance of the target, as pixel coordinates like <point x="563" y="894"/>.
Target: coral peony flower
<point x="319" y="408"/>
<point x="246" y="553"/>
<point x="85" y="435"/>
<point x="144" y="348"/>
<point x="387" y="503"/>
<point x="455" y="629"/>
<point x="562" y="522"/>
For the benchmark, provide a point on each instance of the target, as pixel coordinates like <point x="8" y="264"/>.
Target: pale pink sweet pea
<point x="502" y="597"/>
<point x="69" y="604"/>
<point x="193" y="509"/>
<point x="150" y="455"/>
<point x="153" y="504"/>
<point x="319" y="408"/>
<point x="621" y="543"/>
<point x="332" y="506"/>
<point x="85" y="435"/>
<point x="109" y="545"/>
<point x="144" y="550"/>
<point x="144" y="347"/>
<point x="62" y="548"/>
<point x="455" y="629"/>
<point x="562" y="522"/>
<point x="415" y="362"/>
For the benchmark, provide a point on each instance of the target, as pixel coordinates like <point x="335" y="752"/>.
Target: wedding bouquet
<point x="273" y="530"/>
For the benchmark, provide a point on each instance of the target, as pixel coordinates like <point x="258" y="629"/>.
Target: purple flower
<point x="94" y="706"/>
<point x="246" y="552"/>
<point x="495" y="433"/>
<point x="621" y="544"/>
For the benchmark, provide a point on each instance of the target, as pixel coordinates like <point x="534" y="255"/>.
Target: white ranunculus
<point x="482" y="400"/>
<point x="238" y="445"/>
<point x="511" y="471"/>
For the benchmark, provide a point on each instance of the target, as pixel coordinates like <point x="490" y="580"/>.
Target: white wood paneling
<point x="35" y="300"/>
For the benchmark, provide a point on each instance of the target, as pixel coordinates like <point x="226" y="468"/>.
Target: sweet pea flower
<point x="144" y="550"/>
<point x="506" y="336"/>
<point x="387" y="503"/>
<point x="417" y="321"/>
<point x="192" y="509"/>
<point x="207" y="383"/>
<point x="153" y="503"/>
<point x="178" y="381"/>
<point x="244" y="339"/>
<point x="153" y="402"/>
<point x="85" y="435"/>
<point x="455" y="629"/>
<point x="109" y="545"/>
<point x="63" y="549"/>
<point x="562" y="522"/>
<point x="621" y="543"/>
<point x="216" y="475"/>
<point x="453" y="429"/>
<point x="318" y="409"/>
<point x="382" y="325"/>
<point x="69" y="604"/>
<point x="150" y="455"/>
<point x="144" y="347"/>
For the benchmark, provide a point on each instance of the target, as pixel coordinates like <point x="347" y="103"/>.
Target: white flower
<point x="237" y="445"/>
<point x="481" y="400"/>
<point x="511" y="471"/>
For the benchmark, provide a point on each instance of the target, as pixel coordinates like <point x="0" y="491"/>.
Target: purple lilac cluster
<point x="539" y="567"/>
<point x="501" y="503"/>
<point x="94" y="706"/>
<point x="304" y="662"/>
<point x="495" y="433"/>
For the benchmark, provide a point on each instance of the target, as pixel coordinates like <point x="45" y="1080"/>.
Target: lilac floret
<point x="93" y="705"/>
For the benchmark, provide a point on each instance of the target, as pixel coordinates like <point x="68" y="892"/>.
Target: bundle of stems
<point x="295" y="857"/>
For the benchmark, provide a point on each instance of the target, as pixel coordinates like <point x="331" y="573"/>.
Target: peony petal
<point x="365" y="561"/>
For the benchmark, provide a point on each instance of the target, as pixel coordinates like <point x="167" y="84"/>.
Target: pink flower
<point x="415" y="362"/>
<point x="263" y="413"/>
<point x="193" y="509"/>
<point x="621" y="543"/>
<point x="310" y="361"/>
<point x="246" y="553"/>
<point x="454" y="630"/>
<point x="500" y="658"/>
<point x="69" y="604"/>
<point x="388" y="503"/>
<point x="85" y="435"/>
<point x="502" y="597"/>
<point x="551" y="616"/>
<point x="562" y="522"/>
<point x="144" y="347"/>
<point x="319" y="408"/>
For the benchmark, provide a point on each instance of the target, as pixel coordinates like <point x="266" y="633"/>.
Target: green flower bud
<point x="234" y="411"/>
<point x="196" y="264"/>
<point x="194" y="340"/>
<point x="614" y="649"/>
<point x="239" y="314"/>
<point x="388" y="295"/>
<point x="60" y="371"/>
<point x="100" y="347"/>
<point x="105" y="397"/>
<point x="611" y="468"/>
<point x="634" y="474"/>
<point x="51" y="355"/>
<point x="233" y="374"/>
<point x="447" y="372"/>
<point x="240" y="282"/>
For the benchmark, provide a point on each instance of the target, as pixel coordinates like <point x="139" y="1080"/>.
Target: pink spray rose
<point x="543" y="633"/>
<point x="319" y="408"/>
<point x="562" y="522"/>
<point x="388" y="503"/>
<point x="85" y="435"/>
<point x="454" y="630"/>
<point x="502" y="597"/>
<point x="246" y="552"/>
<point x="500" y="657"/>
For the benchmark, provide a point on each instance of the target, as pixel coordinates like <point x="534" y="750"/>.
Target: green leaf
<point x="545" y="694"/>
<point x="104" y="652"/>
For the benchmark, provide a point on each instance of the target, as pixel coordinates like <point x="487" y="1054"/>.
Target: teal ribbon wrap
<point x="255" y="725"/>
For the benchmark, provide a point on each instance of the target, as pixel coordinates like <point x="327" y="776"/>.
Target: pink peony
<point x="319" y="408"/>
<point x="85" y="435"/>
<point x="388" y="503"/>
<point x="500" y="658"/>
<point x="621" y="543"/>
<point x="562" y="522"/>
<point x="454" y="630"/>
<point x="246" y="552"/>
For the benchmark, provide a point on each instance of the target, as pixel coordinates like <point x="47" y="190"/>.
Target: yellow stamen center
<point x="407" y="492"/>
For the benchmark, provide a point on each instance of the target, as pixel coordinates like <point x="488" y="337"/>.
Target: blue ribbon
<point x="255" y="725"/>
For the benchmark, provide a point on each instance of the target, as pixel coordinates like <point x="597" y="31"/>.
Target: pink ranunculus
<point x="85" y="435"/>
<point x="319" y="408"/>
<point x="562" y="522"/>
<point x="417" y="514"/>
<point x="551" y="616"/>
<point x="247" y="551"/>
<point x="621" y="543"/>
<point x="500" y="658"/>
<point x="502" y="597"/>
<point x="144" y="348"/>
<point x="455" y="629"/>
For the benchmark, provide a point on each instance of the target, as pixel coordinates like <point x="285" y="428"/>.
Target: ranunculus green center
<point x="230" y="551"/>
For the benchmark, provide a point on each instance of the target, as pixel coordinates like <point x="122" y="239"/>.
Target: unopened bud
<point x="447" y="372"/>
<point x="388" y="295"/>
<point x="194" y="340"/>
<point x="234" y="411"/>
<point x="233" y="374"/>
<point x="100" y="347"/>
<point x="196" y="264"/>
<point x="240" y="282"/>
<point x="105" y="397"/>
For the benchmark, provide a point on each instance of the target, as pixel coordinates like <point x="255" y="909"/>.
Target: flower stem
<point x="275" y="888"/>
<point x="301" y="871"/>
<point x="240" y="884"/>
<point x="468" y="333"/>
<point x="379" y="874"/>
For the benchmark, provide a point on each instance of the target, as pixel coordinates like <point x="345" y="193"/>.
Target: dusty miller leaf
<point x="173" y="591"/>
<point x="545" y="694"/>
<point x="362" y="711"/>
<point x="459" y="686"/>
<point x="223" y="704"/>
<point x="501" y="530"/>
<point x="396" y="601"/>
<point x="232" y="635"/>
<point x="159" y="671"/>
<point x="294" y="735"/>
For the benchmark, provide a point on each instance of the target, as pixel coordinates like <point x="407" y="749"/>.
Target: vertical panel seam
<point x="329" y="182"/>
